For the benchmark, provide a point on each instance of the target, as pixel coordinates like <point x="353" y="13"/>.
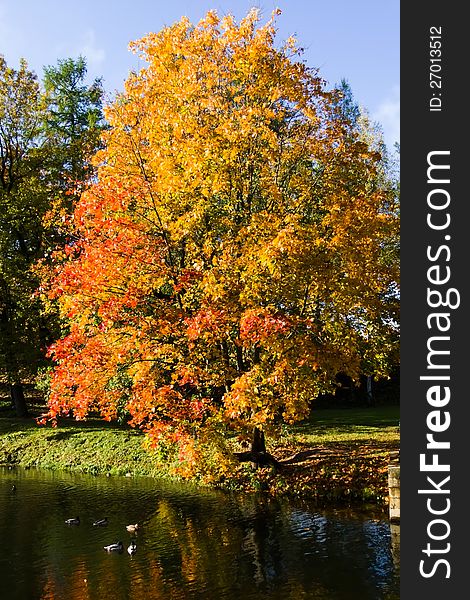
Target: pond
<point x="191" y="543"/>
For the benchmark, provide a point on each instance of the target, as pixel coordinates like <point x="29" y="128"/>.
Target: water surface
<point x="192" y="543"/>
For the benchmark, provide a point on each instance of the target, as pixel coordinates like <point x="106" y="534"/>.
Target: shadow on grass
<point x="343" y="419"/>
<point x="300" y="457"/>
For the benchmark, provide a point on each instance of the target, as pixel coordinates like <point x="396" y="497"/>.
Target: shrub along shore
<point x="337" y="456"/>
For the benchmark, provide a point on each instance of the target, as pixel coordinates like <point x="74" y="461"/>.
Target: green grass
<point x="91" y="446"/>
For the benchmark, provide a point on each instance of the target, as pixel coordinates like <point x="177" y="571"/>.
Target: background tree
<point x="72" y="127"/>
<point x="22" y="205"/>
<point x="229" y="255"/>
<point x="41" y="152"/>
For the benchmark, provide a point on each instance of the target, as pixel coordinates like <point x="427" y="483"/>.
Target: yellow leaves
<point x="211" y="19"/>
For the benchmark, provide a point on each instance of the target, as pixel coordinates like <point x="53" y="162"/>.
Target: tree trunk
<point x="258" y="455"/>
<point x="370" y="396"/>
<point x="18" y="400"/>
<point x="257" y="443"/>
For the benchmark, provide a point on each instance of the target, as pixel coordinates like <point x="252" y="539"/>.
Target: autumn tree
<point x="362" y="128"/>
<point x="229" y="260"/>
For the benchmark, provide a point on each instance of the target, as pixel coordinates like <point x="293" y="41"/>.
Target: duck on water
<point x="116" y="547"/>
<point x="132" y="548"/>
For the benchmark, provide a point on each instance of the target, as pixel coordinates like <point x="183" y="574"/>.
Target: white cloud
<point x="388" y="115"/>
<point x="94" y="55"/>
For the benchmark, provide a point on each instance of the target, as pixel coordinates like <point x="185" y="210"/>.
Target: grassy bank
<point x="336" y="455"/>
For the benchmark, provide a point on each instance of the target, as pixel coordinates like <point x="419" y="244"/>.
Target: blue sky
<point x="358" y="41"/>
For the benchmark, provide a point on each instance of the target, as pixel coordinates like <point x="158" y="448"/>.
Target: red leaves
<point x="186" y="278"/>
<point x="258" y="325"/>
<point x="208" y="323"/>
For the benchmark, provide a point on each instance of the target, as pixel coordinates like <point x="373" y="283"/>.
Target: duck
<point x="13" y="488"/>
<point x="116" y="547"/>
<point x="132" y="528"/>
<point x="73" y="521"/>
<point x="100" y="522"/>
<point x="132" y="548"/>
